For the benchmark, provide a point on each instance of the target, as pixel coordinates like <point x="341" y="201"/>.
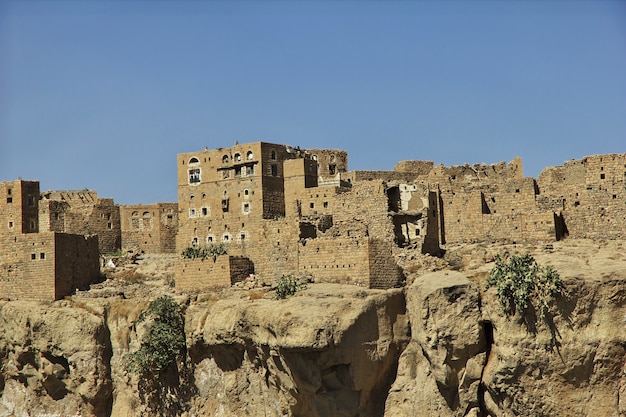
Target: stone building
<point x="151" y="228"/>
<point x="290" y="210"/>
<point x="35" y="264"/>
<point x="82" y="212"/>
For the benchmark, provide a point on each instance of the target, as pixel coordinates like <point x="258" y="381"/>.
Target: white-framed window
<point x="243" y="236"/>
<point x="206" y="211"/>
<point x="194" y="176"/>
<point x="250" y="156"/>
<point x="226" y="238"/>
<point x="225" y="159"/>
<point x="245" y="207"/>
<point x="237" y="157"/>
<point x="210" y="239"/>
<point x="192" y="212"/>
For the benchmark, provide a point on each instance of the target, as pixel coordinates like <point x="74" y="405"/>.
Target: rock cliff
<point x="440" y="346"/>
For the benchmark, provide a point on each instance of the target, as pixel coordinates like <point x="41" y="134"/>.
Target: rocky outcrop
<point x="55" y="360"/>
<point x="332" y="352"/>
<point x="467" y="358"/>
<point x="440" y="347"/>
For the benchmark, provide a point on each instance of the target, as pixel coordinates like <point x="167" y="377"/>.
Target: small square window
<point x="10" y="225"/>
<point x="312" y="205"/>
<point x="325" y="204"/>
<point x="33" y="256"/>
<point x="246" y="207"/>
<point x="110" y="225"/>
<point x="205" y="211"/>
<point x="602" y="176"/>
<point x="9" y="200"/>
<point x="192" y="212"/>
<point x="42" y="255"/>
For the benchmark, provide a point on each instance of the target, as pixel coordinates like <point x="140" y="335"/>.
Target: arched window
<point x="246" y="192"/>
<point x="250" y="155"/>
<point x="225" y="159"/>
<point x="135" y="213"/>
<point x="146" y="214"/>
<point x="194" y="160"/>
<point x="192" y="197"/>
<point x="237" y="157"/>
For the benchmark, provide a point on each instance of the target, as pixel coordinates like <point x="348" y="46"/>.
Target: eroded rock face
<point x="441" y="347"/>
<point x="467" y="358"/>
<point x="331" y="353"/>
<point x="54" y="360"/>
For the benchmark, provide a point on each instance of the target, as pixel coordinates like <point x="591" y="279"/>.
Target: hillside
<point x="441" y="345"/>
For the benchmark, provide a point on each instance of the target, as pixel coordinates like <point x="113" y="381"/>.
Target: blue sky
<point x="104" y="94"/>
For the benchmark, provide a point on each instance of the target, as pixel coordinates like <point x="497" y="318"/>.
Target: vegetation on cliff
<point x="520" y="280"/>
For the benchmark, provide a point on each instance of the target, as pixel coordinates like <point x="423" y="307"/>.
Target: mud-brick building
<point x="150" y="228"/>
<point x="34" y="264"/>
<point x="82" y="212"/>
<point x="287" y="210"/>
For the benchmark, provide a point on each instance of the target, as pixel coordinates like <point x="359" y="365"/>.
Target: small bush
<point x="287" y="286"/>
<point x="164" y="342"/>
<point x="211" y="251"/>
<point x="519" y="280"/>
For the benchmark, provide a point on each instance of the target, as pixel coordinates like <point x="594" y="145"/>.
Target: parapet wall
<point x="202" y="274"/>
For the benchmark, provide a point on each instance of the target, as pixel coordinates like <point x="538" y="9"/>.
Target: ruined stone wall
<point x="330" y="161"/>
<point x="200" y="274"/>
<point x="591" y="193"/>
<point x="415" y="167"/>
<point x="149" y="227"/>
<point x="81" y="212"/>
<point x="396" y="176"/>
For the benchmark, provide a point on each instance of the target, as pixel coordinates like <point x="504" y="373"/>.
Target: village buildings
<point x="278" y="210"/>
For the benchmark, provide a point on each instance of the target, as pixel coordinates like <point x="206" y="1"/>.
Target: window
<point x="31" y="200"/>
<point x="32" y="225"/>
<point x="110" y="225"/>
<point x="205" y="211"/>
<point x="194" y="242"/>
<point x="9" y="200"/>
<point x="325" y="204"/>
<point x="312" y="205"/>
<point x="210" y="238"/>
<point x="250" y="156"/>
<point x="331" y="169"/>
<point x="273" y="156"/>
<point x="225" y="205"/>
<point x="194" y="176"/>
<point x="246" y="208"/>
<point x="602" y="176"/>
<point x="274" y="170"/>
<point x="237" y="157"/>
<point x="225" y="174"/>
<point x="246" y="192"/>
<point x="243" y="236"/>
<point x="192" y="212"/>
<point x="225" y="159"/>
<point x="135" y="213"/>
<point x="42" y="255"/>
<point x="146" y="214"/>
<point x="10" y="225"/>
<point x="193" y="160"/>
<point x="250" y="170"/>
<point x="192" y="197"/>
<point x="237" y="171"/>
<point x="226" y="237"/>
<point x="33" y="256"/>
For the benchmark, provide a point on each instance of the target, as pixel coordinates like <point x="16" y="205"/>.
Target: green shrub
<point x="519" y="280"/>
<point x="287" y="286"/>
<point x="211" y="251"/>
<point x="164" y="341"/>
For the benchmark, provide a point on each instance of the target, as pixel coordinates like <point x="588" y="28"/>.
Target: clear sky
<point x="104" y="94"/>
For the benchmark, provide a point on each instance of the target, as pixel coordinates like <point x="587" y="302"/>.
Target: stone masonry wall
<point x="200" y="274"/>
